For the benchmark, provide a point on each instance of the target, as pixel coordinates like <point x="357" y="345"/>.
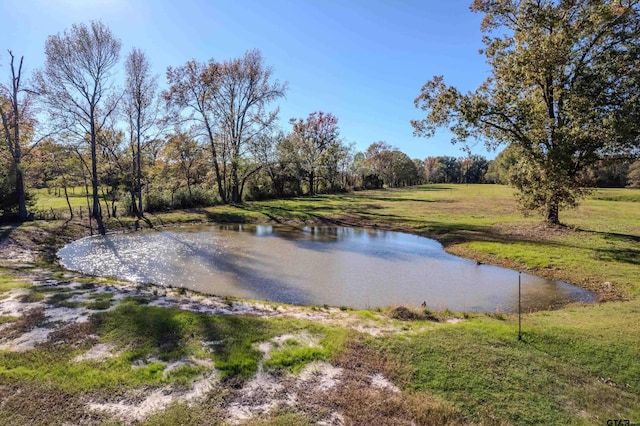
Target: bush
<point x="198" y="198"/>
<point x="162" y="200"/>
<point x="157" y="201"/>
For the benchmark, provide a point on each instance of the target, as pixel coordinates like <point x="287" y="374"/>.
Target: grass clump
<point x="59" y="299"/>
<point x="294" y="353"/>
<point x="294" y="356"/>
<point x="403" y="313"/>
<point x="281" y="418"/>
<point x="9" y="281"/>
<point x="185" y="414"/>
<point x="32" y="297"/>
<point x="7" y="318"/>
<point x="100" y="301"/>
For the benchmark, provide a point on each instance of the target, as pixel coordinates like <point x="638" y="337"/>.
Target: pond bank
<point x="44" y="310"/>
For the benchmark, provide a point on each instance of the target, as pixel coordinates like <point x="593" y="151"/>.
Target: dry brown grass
<point x="411" y="314"/>
<point x="74" y="334"/>
<point x="31" y="319"/>
<point x="40" y="404"/>
<point x="359" y="402"/>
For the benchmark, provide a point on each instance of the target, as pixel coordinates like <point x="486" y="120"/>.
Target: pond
<point x="314" y="265"/>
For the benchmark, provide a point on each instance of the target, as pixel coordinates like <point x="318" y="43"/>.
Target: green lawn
<point x="46" y="198"/>
<point x="574" y="366"/>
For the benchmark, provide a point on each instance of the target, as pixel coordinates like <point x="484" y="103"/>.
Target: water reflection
<point x="354" y="267"/>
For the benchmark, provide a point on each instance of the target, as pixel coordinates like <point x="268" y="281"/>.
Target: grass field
<point x="577" y="365"/>
<point x="46" y="199"/>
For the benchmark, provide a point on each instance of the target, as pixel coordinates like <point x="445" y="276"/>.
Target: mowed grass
<point x="574" y="366"/>
<point x="46" y="198"/>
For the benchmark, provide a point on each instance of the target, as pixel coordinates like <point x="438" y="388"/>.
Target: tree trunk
<point x="66" y="197"/>
<point x="114" y="208"/>
<point x="106" y="203"/>
<point x="139" y="177"/>
<point x="86" y="191"/>
<point x="189" y="186"/>
<point x="96" y="210"/>
<point x="216" y="167"/>
<point x="235" y="183"/>
<point x="552" y="212"/>
<point x="134" y="206"/>
<point x="22" y="198"/>
<point x="312" y="178"/>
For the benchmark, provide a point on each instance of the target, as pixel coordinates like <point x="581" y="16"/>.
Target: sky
<point x="364" y="61"/>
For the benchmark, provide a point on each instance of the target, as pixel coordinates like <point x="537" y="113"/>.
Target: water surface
<point x="339" y="266"/>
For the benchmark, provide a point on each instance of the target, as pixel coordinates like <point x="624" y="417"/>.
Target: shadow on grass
<point x="6" y="230"/>
<point x="614" y="236"/>
<point x="222" y="217"/>
<point x="400" y="199"/>
<point x="154" y="329"/>
<point x="631" y="256"/>
<point x="170" y="334"/>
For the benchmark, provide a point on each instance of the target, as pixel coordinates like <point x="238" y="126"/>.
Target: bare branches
<point x="75" y="85"/>
<point x="228" y="102"/>
<point x="16" y="126"/>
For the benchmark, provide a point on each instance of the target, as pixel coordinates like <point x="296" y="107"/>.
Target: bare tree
<point x="240" y="102"/>
<point x="227" y="102"/>
<point x="141" y="112"/>
<point x="75" y="85"/>
<point x="191" y="88"/>
<point x="13" y="112"/>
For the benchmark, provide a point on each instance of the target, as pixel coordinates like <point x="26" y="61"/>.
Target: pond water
<point x="338" y="266"/>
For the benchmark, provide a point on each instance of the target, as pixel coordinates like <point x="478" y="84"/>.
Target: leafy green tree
<point x="563" y="89"/>
<point x="499" y="169"/>
<point x="184" y="157"/>
<point x="392" y="166"/>
<point x="431" y="169"/>
<point x="420" y="170"/>
<point x="451" y="169"/>
<point x="610" y="173"/>
<point x="403" y="169"/>
<point x="380" y="160"/>
<point x="474" y="168"/>
<point x="56" y="166"/>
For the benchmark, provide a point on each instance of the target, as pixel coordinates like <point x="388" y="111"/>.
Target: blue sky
<point x="362" y="60"/>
